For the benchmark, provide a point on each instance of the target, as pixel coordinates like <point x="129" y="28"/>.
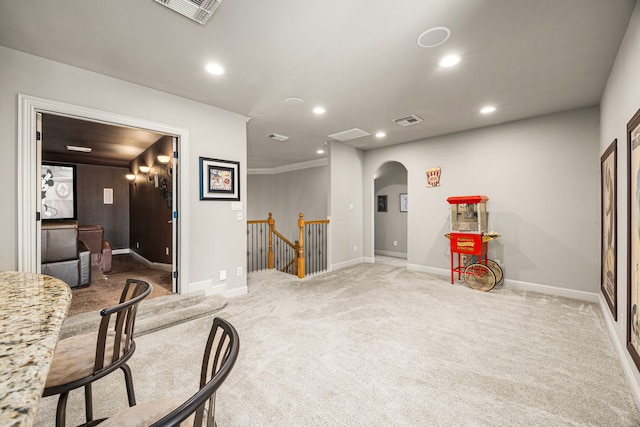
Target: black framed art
<point x="219" y="179"/>
<point x="608" y="216"/>
<point x="58" y="191"/>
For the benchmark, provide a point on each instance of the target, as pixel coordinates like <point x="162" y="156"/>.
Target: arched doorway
<point x="390" y="214"/>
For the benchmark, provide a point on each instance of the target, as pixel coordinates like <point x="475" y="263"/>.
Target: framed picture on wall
<point x="608" y="215"/>
<point x="219" y="179"/>
<point x="404" y="207"/>
<point x="633" y="236"/>
<point x="382" y="203"/>
<point x="58" y="191"/>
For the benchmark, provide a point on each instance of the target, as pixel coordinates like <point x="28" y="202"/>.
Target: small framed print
<point x="404" y="207"/>
<point x="382" y="203"/>
<point x="219" y="179"/>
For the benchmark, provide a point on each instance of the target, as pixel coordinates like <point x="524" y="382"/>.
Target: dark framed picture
<point x="58" y="191"/>
<point x="219" y="179"/>
<point x="608" y="215"/>
<point x="382" y="203"/>
<point x="404" y="207"/>
<point x="633" y="238"/>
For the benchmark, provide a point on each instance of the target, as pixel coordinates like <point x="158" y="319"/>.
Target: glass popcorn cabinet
<point x="468" y="242"/>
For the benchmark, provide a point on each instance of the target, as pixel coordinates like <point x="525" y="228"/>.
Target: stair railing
<point x="267" y="248"/>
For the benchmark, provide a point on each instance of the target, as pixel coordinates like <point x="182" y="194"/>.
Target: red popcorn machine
<point x="468" y="241"/>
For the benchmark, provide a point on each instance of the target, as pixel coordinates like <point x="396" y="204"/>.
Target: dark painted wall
<point x="151" y="214"/>
<point x="114" y="218"/>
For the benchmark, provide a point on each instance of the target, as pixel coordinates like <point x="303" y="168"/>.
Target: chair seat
<point x="75" y="358"/>
<point x="145" y="414"/>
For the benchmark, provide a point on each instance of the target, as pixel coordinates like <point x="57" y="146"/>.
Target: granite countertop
<point x="32" y="310"/>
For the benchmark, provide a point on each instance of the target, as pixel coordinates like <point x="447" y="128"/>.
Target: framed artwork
<point x="58" y="191"/>
<point x="382" y="203"/>
<point x="608" y="216"/>
<point x="404" y="207"/>
<point x="633" y="237"/>
<point x="219" y="179"/>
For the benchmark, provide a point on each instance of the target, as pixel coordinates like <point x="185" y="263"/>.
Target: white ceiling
<point x="357" y="58"/>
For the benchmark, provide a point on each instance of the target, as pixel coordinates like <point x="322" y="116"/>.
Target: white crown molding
<point x="288" y="168"/>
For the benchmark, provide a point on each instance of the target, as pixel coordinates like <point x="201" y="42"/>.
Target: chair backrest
<point x="115" y="345"/>
<point x="220" y="355"/>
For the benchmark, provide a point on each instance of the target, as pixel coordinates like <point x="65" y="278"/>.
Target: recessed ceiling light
<point x="319" y="110"/>
<point x="321" y="151"/>
<point x="380" y="134"/>
<point x="434" y="37"/>
<point x="488" y="109"/>
<point x="294" y="101"/>
<point x="450" y="60"/>
<point x="215" y="69"/>
<point x="78" y="148"/>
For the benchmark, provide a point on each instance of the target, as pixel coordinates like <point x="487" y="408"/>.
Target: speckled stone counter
<point x="32" y="310"/>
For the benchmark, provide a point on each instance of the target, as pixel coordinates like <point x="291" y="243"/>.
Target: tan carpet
<point x="105" y="288"/>
<point x="377" y="345"/>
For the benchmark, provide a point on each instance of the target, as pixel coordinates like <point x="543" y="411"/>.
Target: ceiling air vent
<point x="277" y="137"/>
<point x="349" y="134"/>
<point x="198" y="10"/>
<point x="409" y="120"/>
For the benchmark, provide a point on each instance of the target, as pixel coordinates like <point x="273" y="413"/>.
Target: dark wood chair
<point x="80" y="360"/>
<point x="220" y="355"/>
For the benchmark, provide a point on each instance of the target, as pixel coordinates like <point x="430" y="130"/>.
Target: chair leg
<point x="62" y="409"/>
<point x="88" y="402"/>
<point x="128" y="379"/>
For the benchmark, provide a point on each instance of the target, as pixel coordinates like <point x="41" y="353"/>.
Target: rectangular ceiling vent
<point x="198" y="10"/>
<point x="409" y="120"/>
<point x="277" y="137"/>
<point x="349" y="134"/>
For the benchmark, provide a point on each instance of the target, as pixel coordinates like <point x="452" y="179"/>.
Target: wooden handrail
<point x="298" y="246"/>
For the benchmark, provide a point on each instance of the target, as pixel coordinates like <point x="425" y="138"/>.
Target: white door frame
<point x="28" y="181"/>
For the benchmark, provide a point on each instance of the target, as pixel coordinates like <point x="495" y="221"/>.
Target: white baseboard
<point x="150" y="264"/>
<point x="431" y="270"/>
<point x="120" y="251"/>
<point x="552" y="290"/>
<point x="392" y="254"/>
<point x="207" y="287"/>
<point x="517" y="284"/>
<point x="369" y="260"/>
<point x="348" y="263"/>
<point x="623" y="355"/>
<point x="243" y="290"/>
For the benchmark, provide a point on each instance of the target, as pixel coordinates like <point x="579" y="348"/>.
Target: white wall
<point x="217" y="240"/>
<point x="345" y="205"/>
<point x="620" y="101"/>
<point x="542" y="179"/>
<point x="288" y="194"/>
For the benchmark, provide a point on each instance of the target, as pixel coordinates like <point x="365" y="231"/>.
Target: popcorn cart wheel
<point x="479" y="277"/>
<point x="494" y="266"/>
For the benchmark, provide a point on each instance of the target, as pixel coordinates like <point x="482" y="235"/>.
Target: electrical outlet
<point x="498" y="262"/>
<point x="223" y="274"/>
<point x="239" y="216"/>
<point x="395" y="243"/>
<point x="137" y="245"/>
<point x="239" y="271"/>
<point x="355" y="248"/>
<point x="166" y="250"/>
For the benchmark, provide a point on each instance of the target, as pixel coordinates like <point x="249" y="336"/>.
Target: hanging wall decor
<point x="433" y="177"/>
<point x="633" y="236"/>
<point x="608" y="188"/>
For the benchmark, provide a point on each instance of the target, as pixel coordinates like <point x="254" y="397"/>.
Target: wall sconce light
<point x="164" y="162"/>
<point x="144" y="169"/>
<point x="130" y="176"/>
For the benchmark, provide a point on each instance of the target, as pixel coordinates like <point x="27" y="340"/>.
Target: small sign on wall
<point x="433" y="177"/>
<point x="108" y="196"/>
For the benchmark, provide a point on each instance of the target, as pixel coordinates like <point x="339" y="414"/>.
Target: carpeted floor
<point x="105" y="288"/>
<point x="377" y="345"/>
